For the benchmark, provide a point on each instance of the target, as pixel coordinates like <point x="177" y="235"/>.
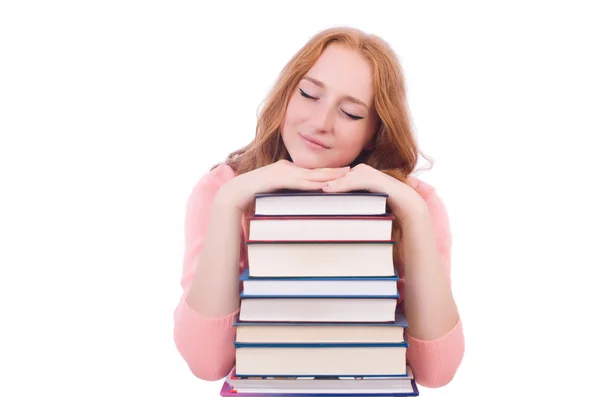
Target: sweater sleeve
<point x="206" y="344"/>
<point x="435" y="362"/>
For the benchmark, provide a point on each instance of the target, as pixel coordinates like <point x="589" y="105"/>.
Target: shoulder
<point x="212" y="180"/>
<point x="217" y="176"/>
<point x="437" y="210"/>
<point x="424" y="189"/>
<point x="221" y="174"/>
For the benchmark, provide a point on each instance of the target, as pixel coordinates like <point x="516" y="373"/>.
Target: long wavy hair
<point x="395" y="151"/>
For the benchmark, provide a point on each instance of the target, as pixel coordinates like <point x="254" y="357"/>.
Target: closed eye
<point x="304" y="94"/>
<point x="352" y="116"/>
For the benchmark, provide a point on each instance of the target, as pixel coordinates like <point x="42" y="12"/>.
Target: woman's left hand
<point x="403" y="200"/>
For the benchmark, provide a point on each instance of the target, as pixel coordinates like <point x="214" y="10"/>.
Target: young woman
<point x="337" y="120"/>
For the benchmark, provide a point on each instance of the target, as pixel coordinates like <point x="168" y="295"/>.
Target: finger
<point x="343" y="184"/>
<point x="338" y="185"/>
<point x="310" y="185"/>
<point x="325" y="174"/>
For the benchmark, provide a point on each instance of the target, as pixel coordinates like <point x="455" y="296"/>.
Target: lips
<point x="315" y="141"/>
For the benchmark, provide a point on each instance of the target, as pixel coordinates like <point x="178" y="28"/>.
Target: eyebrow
<point x="347" y="97"/>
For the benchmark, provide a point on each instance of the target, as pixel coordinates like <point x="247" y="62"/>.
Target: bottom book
<point x="338" y="386"/>
<point x="229" y="391"/>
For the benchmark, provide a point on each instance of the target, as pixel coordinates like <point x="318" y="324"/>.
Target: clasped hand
<point x="402" y="199"/>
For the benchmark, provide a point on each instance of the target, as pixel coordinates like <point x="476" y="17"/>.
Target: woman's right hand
<point x="282" y="174"/>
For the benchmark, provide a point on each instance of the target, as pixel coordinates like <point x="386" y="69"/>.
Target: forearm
<point x="215" y="289"/>
<point x="428" y="302"/>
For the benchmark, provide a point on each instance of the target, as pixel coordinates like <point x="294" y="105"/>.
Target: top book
<point x="288" y="202"/>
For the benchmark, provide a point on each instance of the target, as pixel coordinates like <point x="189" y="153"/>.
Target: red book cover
<point x="324" y="217"/>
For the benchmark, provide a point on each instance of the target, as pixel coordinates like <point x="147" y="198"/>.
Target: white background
<point x="111" y="111"/>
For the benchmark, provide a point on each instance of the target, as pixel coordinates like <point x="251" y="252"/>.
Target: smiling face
<point x="330" y="117"/>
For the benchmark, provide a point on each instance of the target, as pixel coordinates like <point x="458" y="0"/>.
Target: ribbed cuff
<point x="205" y="343"/>
<point x="423" y="344"/>
<point x="193" y="320"/>
<point x="434" y="362"/>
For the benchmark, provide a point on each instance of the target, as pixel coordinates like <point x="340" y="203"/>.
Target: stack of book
<point x="318" y="312"/>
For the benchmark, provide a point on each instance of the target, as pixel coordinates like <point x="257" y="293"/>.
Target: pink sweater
<point x="206" y="344"/>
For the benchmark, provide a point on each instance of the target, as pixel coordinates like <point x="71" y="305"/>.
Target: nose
<point x="322" y="119"/>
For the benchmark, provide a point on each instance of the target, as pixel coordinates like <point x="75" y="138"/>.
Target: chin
<point x="312" y="162"/>
<point x="309" y="163"/>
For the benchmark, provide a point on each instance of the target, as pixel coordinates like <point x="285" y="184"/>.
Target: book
<point x="320" y="203"/>
<point x="321" y="359"/>
<point x="320" y="228"/>
<point x="310" y="384"/>
<point x="318" y="312"/>
<point x="227" y="390"/>
<point x="310" y="286"/>
<point x="320" y="258"/>
<point x="318" y="308"/>
<point x="323" y="332"/>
